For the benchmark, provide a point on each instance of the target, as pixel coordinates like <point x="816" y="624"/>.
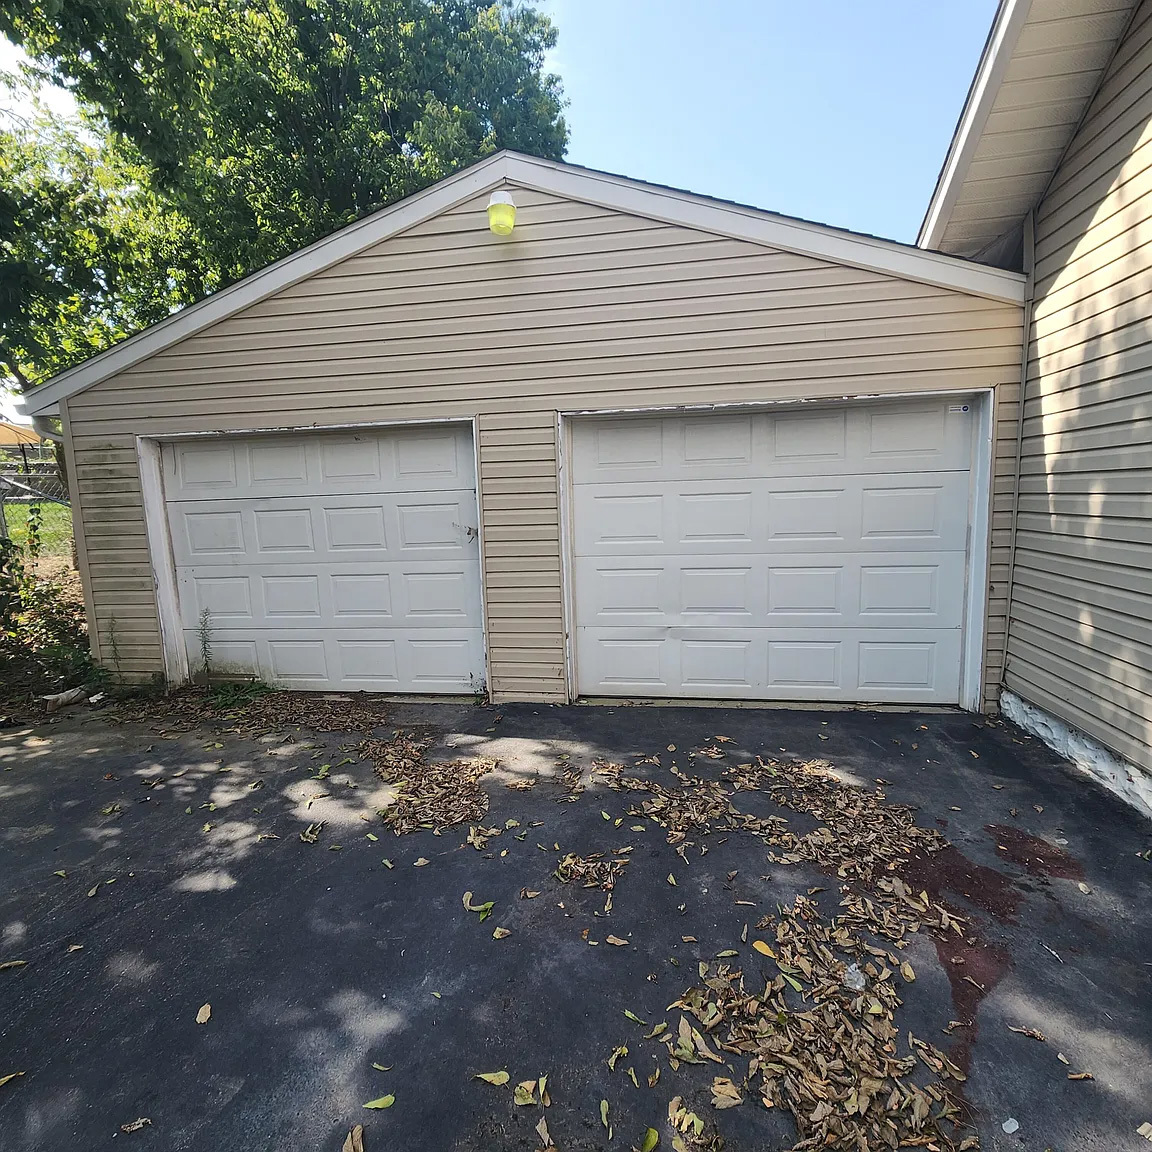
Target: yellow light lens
<point x="502" y="218"/>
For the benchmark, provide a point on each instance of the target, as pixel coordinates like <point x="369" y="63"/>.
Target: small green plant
<point x="204" y="633"/>
<point x="479" y="690"/>
<point x="235" y="695"/>
<point x="114" y="643"/>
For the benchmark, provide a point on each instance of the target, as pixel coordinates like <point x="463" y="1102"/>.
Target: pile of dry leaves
<point x="820" y="1037"/>
<point x="429" y="797"/>
<point x="594" y="870"/>
<point x="256" y="713"/>
<point x="825" y="1050"/>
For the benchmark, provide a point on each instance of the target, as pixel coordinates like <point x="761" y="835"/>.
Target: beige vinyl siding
<point x="1080" y="643"/>
<point x="582" y="308"/>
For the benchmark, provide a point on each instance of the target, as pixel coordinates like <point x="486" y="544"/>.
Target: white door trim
<point x="158" y="533"/>
<point x="158" y="530"/>
<point x="979" y="556"/>
<point x="979" y="521"/>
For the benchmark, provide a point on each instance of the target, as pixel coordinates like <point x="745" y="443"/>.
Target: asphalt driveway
<point x="149" y="875"/>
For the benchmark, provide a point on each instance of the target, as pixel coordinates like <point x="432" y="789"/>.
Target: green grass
<point x="55" y="527"/>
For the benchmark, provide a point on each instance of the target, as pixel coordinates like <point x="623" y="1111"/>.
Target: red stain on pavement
<point x="949" y="870"/>
<point x="1034" y="854"/>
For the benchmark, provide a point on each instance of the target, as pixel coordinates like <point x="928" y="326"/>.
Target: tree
<point x="269" y="123"/>
<point x="85" y="248"/>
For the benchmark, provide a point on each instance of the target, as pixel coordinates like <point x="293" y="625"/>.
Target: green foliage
<point x="42" y="633"/>
<point x="54" y="526"/>
<point x="232" y="695"/>
<point x="87" y="253"/>
<point x="241" y="132"/>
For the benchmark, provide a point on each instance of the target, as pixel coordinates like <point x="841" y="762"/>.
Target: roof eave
<point x="1010" y="19"/>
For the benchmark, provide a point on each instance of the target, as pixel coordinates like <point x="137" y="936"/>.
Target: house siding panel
<point x="582" y="309"/>
<point x="1079" y="644"/>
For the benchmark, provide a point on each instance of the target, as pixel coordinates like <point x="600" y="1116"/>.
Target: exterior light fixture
<point x="501" y="213"/>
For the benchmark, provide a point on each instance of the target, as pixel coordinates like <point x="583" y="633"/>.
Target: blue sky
<point x="835" y="110"/>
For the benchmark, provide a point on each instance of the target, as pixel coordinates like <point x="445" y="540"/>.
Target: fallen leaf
<point x="387" y="863"/>
<point x="383" y="1067"/>
<point x="671" y="747"/>
<point x="1084" y="888"/>
<point x="1061" y="1057"/>
<point x="907" y="972"/>
<point x="524" y="1093"/>
<point x="528" y="894"/>
<point x="616" y="1054"/>
<point x="604" y="1113"/>
<point x="11" y="1076"/>
<point x="12" y="964"/>
<point x="354" y="1141"/>
<point x="62" y="874"/>
<point x="75" y="947"/>
<point x="93" y="891"/>
<point x="632" y="1077"/>
<point x="542" y="1087"/>
<point x="421" y="862"/>
<point x="671" y="879"/>
<point x="500" y="933"/>
<point x="1145" y="1130"/>
<point x="487" y="906"/>
<point x="1081" y="1076"/>
<point x="383" y="1102"/>
<point x="726" y="953"/>
<point x="724" y="1093"/>
<point x="632" y="1016"/>
<point x="763" y="949"/>
<point x="651" y="1139"/>
<point x="616" y="940"/>
<point x="542" y="1132"/>
<point x="136" y="1125"/>
<point x="689" y="939"/>
<point x="205" y="1014"/>
<point x="372" y="836"/>
<point x="438" y="995"/>
<point x="496" y="1078"/>
<point x="1031" y="1032"/>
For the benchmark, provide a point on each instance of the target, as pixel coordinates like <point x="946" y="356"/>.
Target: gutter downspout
<point x="1029" y="293"/>
<point x="43" y="428"/>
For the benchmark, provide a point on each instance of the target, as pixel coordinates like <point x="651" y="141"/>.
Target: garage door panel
<point x="397" y="460"/>
<point x="893" y="589"/>
<point x="379" y="526"/>
<point x="913" y="665"/>
<point x="902" y="436"/>
<point x="331" y="561"/>
<point x="803" y="554"/>
<point x="425" y="595"/>
<point x="853" y="512"/>
<point x="323" y="659"/>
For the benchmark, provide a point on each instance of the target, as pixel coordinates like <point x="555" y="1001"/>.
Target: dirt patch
<point x="1034" y="854"/>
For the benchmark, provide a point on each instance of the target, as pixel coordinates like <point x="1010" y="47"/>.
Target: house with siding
<point x="1050" y="173"/>
<point x="653" y="445"/>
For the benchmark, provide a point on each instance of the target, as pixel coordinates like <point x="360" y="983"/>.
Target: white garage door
<point x="815" y="554"/>
<point x="344" y="561"/>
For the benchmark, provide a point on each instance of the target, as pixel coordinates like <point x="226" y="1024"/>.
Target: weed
<point x="204" y="632"/>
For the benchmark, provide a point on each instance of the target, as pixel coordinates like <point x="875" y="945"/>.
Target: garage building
<point x="648" y="445"/>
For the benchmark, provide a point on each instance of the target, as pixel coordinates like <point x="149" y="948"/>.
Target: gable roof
<point x="1042" y="64"/>
<point x="504" y="169"/>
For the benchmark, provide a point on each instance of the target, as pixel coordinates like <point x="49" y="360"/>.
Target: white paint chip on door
<point x="330" y="561"/>
<point x="794" y="555"/>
